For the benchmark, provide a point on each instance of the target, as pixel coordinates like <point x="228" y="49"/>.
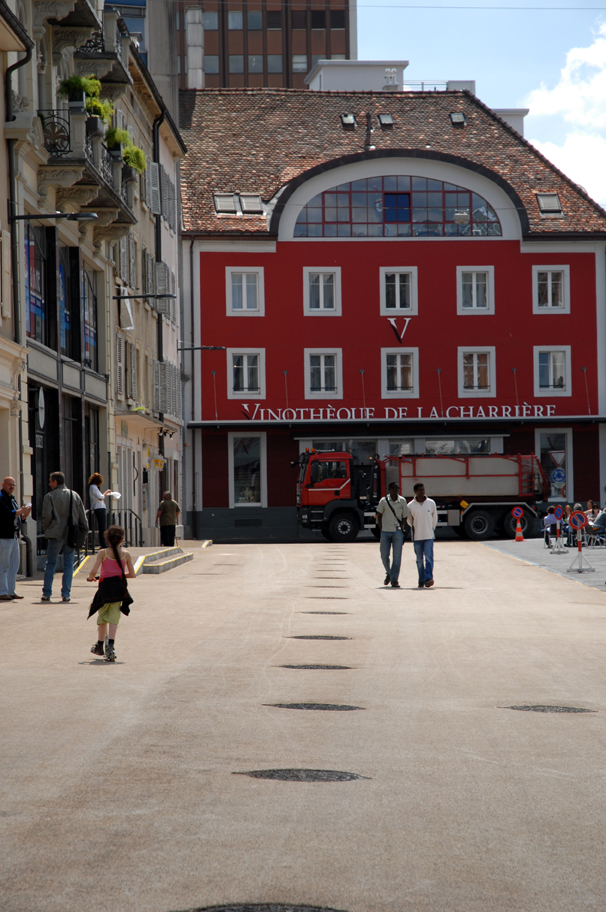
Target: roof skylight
<point x="386" y="121"/>
<point x="348" y="121"/>
<point x="226" y="203"/>
<point x="458" y="119"/>
<point x="251" y="204"/>
<point x="549" y="204"/>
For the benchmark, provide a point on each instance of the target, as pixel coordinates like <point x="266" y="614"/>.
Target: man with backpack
<point x="392" y="510"/>
<point x="65" y="526"/>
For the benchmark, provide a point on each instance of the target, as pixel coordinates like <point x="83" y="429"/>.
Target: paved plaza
<point x="129" y="787"/>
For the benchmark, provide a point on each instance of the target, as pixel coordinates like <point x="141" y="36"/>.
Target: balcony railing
<point x="56" y="131"/>
<point x="107" y="169"/>
<point x="96" y="42"/>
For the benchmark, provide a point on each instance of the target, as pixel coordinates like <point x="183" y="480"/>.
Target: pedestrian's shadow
<point x="99" y="664"/>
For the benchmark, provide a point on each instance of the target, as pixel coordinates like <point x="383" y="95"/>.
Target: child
<point x="112" y="595"/>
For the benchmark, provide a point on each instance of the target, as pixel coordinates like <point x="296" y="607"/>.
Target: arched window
<point x="397" y="207"/>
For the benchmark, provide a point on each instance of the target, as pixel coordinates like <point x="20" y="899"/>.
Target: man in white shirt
<point x="423" y="519"/>
<point x="391" y="513"/>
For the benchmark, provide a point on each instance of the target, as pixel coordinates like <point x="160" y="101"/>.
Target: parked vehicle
<point x="474" y="494"/>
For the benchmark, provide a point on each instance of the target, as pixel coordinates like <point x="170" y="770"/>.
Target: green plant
<point x="90" y="85"/>
<point x="135" y="158"/>
<point x="116" y="136"/>
<point x="102" y="109"/>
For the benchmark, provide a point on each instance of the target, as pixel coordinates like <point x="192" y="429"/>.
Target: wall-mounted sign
<point x="389" y="412"/>
<point x="41" y="408"/>
<point x="158" y="462"/>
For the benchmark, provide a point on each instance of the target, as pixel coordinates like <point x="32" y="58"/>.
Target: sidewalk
<point x="533" y="551"/>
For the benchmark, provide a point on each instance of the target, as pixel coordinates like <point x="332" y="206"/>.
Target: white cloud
<point x="582" y="157"/>
<point x="579" y="98"/>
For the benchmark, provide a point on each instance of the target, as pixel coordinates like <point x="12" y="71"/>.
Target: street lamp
<point x="195" y="348"/>
<point x="70" y="216"/>
<point x="124" y="297"/>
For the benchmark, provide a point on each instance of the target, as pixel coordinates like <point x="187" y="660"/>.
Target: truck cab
<point x="332" y="493"/>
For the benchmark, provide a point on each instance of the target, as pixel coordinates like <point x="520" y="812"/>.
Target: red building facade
<point x="395" y="273"/>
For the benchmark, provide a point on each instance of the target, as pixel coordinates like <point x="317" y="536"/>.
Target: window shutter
<point x="131" y="133"/>
<point x="132" y="256"/>
<point x="119" y="365"/>
<point x="164" y="191"/>
<point x="173" y="303"/>
<point x="123" y="259"/>
<point x="6" y="274"/>
<point x="133" y="371"/>
<point x="162" y="288"/>
<point x="154" y="199"/>
<point x="164" y="387"/>
<point x="179" y="394"/>
<point x="156" y="365"/>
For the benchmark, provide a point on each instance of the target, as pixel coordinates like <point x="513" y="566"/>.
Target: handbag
<point x="403" y="529"/>
<point x="76" y="531"/>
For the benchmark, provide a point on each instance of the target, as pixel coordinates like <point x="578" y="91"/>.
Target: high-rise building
<point x="257" y="43"/>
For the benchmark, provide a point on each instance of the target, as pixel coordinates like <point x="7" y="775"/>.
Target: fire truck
<point x="474" y="494"/>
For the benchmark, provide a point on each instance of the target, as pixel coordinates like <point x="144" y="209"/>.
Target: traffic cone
<point x="519" y="536"/>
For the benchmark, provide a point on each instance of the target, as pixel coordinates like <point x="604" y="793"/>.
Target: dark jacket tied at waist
<point x="111" y="589"/>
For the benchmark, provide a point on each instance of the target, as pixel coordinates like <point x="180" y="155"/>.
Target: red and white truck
<point x="474" y="494"/>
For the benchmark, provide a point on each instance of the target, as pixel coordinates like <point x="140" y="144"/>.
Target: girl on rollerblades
<point x="112" y="596"/>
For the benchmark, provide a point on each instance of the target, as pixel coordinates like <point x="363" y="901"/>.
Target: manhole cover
<point x="338" y="707"/>
<point x="326" y="598"/>
<point x="264" y="907"/>
<point x="303" y="775"/>
<point x="324" y="612"/>
<point x="318" y="638"/>
<point x="550" y="709"/>
<point x="326" y="667"/>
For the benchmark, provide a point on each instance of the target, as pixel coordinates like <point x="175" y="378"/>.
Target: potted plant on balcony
<point x="76" y="88"/>
<point x="121" y="146"/>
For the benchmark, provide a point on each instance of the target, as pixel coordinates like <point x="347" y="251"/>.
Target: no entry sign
<point x="577" y="520"/>
<point x="517" y="512"/>
<point x="558" y="512"/>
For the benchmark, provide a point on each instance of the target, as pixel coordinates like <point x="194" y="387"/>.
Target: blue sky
<point x="553" y="62"/>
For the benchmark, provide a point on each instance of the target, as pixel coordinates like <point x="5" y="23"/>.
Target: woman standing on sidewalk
<point x="97" y="505"/>
<point x="112" y="596"/>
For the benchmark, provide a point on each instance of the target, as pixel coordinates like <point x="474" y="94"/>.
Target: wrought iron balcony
<point x="57" y="132"/>
<point x="107" y="165"/>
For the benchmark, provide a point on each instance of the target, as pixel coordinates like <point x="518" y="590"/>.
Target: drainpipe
<point x="158" y="251"/>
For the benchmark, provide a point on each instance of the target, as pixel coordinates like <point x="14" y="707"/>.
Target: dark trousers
<point x="101" y="516"/>
<point x="167" y="536"/>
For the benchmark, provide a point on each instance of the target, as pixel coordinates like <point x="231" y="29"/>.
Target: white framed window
<point x="399" y="373"/>
<point x="247" y="467"/>
<point x="399" y="290"/>
<point x="475" y="289"/>
<point x="323" y="373"/>
<point x="553" y="446"/>
<point x="552" y="376"/>
<point x="322" y="291"/>
<point x="551" y="289"/>
<point x="245" y="373"/>
<point x="244" y="291"/>
<point x="477" y="371"/>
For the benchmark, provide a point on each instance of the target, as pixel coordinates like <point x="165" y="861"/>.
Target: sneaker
<point x="429" y="584"/>
<point x="387" y="580"/>
<point x="421" y="586"/>
<point x="110" y="655"/>
<point x="97" y="649"/>
<point x="395" y="584"/>
<point x="68" y="599"/>
<point x="45" y="598"/>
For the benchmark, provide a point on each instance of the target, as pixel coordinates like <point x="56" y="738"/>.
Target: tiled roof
<point x="258" y="140"/>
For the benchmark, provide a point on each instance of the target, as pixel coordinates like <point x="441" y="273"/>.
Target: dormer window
<point x="348" y="121"/>
<point x="386" y="121"/>
<point x="549" y="204"/>
<point x="251" y="204"/>
<point x="458" y="119"/>
<point x="225" y="203"/>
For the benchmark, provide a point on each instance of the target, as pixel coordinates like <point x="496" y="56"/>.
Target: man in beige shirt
<point x="167" y="516"/>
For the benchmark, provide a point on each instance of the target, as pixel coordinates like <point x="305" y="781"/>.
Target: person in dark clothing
<point x="167" y="516"/>
<point x="11" y="515"/>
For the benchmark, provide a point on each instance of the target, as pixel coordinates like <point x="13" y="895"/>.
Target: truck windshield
<point x="320" y="471"/>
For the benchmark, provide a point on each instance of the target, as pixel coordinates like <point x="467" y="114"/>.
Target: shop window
<point x="245" y="373"/>
<point x="551" y="289"/>
<point x="399" y="290"/>
<point x="38" y="316"/>
<point x="554" y="447"/>
<point x="247" y="470"/>
<point x="475" y="289"/>
<point x="396" y="206"/>
<point x="244" y="292"/>
<point x="321" y="291"/>
<point x="68" y="300"/>
<point x="552" y="370"/>
<point x="89" y="310"/>
<point x="476" y="372"/>
<point x="399" y="373"/>
<point x="323" y="373"/>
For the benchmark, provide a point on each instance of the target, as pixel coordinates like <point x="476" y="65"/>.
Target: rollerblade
<point x="97" y="649"/>
<point x="110" y="654"/>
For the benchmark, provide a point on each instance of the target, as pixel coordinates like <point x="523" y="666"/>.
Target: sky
<point x="551" y="60"/>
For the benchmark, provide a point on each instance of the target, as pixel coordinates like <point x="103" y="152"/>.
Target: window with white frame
<point x="244" y="291"/>
<point x="322" y="291"/>
<point x="323" y="373"/>
<point x="476" y="371"/>
<point x="399" y="373"/>
<point x="551" y="289"/>
<point x="247" y="466"/>
<point x="399" y="290"/>
<point x="245" y="373"/>
<point x="475" y="289"/>
<point x="552" y="370"/>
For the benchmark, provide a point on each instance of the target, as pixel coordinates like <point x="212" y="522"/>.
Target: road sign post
<point x="558" y="545"/>
<point x="580" y="564"/>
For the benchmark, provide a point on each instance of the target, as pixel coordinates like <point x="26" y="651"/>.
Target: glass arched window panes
<point x="397" y="207"/>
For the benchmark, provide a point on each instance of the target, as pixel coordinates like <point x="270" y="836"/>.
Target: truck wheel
<point x="479" y="525"/>
<point x="509" y="525"/>
<point x="343" y="527"/>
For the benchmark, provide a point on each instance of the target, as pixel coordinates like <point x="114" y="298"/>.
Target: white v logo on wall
<point x="394" y="325"/>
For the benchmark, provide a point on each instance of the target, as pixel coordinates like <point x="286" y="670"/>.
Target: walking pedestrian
<point x="56" y="508"/>
<point x="11" y="515"/>
<point x="392" y="510"/>
<point x="112" y="596"/>
<point x="167" y="515"/>
<point x="423" y="519"/>
<point x="97" y="505"/>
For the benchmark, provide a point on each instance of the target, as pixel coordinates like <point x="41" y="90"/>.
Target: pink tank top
<point x="111" y="567"/>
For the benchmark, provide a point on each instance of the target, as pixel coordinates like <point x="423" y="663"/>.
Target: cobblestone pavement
<point x="282" y="731"/>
